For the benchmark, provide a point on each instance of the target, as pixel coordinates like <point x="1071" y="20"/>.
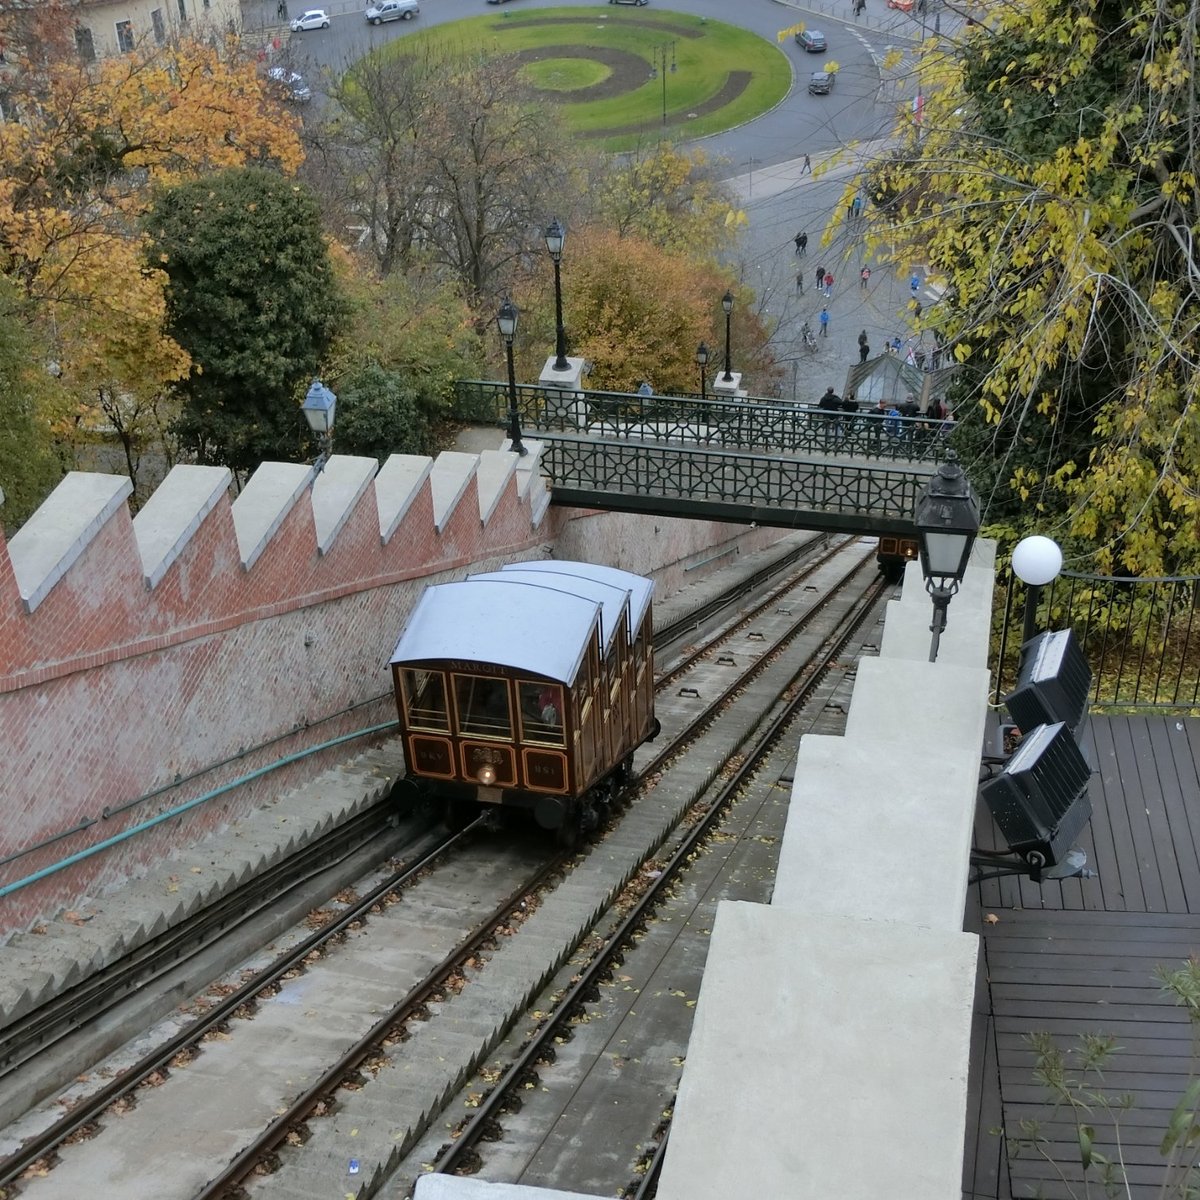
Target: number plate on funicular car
<point x="489" y="795"/>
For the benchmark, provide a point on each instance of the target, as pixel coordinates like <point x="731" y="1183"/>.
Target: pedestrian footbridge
<point x="722" y="459"/>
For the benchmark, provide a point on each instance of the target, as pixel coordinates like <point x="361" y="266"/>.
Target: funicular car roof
<point x="613" y="601"/>
<point x="639" y="588"/>
<point x="540" y="630"/>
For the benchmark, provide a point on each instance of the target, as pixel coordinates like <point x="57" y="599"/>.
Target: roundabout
<point x="618" y="77"/>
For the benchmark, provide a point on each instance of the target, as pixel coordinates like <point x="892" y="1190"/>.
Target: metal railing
<point x="731" y="485"/>
<point x="751" y="424"/>
<point x="1141" y="636"/>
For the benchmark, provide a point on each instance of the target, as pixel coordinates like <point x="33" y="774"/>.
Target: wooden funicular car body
<point x="528" y="687"/>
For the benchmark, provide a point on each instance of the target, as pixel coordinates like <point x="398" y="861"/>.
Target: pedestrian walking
<point x="828" y="284"/>
<point x="914" y="284"/>
<point x="935" y="356"/>
<point x="864" y="277"/>
<point x="807" y="168"/>
<point x="864" y="352"/>
<point x="801" y="240"/>
<point x="862" y="337"/>
<point x="281" y="9"/>
<point x="917" y="310"/>
<point x="799" y="282"/>
<point x="859" y="6"/>
<point x="824" y="319"/>
<point x="856" y="206"/>
<point x="820" y="278"/>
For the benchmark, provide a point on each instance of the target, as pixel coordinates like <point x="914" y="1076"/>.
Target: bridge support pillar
<point x="566" y="407"/>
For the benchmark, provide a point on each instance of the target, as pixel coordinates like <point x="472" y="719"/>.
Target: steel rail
<point x="804" y="681"/>
<point x="92" y="1107"/>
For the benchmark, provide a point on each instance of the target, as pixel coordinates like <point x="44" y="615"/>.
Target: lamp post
<point x="506" y="322"/>
<point x="947" y="520"/>
<point x="702" y="363"/>
<point x="318" y="408"/>
<point x="556" y="236"/>
<point x="727" y="305"/>
<point x="660" y="56"/>
<point x="1036" y="561"/>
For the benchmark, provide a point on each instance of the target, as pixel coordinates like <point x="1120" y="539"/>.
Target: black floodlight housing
<point x="1040" y="800"/>
<point x="1053" y="683"/>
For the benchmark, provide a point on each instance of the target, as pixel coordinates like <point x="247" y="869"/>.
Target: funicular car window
<point x="425" y="699"/>
<point x="541" y="713"/>
<point x="481" y="706"/>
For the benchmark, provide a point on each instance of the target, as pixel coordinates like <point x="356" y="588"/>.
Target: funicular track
<point x="84" y="1118"/>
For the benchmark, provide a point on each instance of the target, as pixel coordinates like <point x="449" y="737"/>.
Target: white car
<point x="291" y="84"/>
<point x="314" y="18"/>
<point x="392" y="10"/>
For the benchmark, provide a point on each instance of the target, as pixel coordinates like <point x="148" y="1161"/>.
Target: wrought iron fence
<point x="756" y="425"/>
<point x="1141" y="636"/>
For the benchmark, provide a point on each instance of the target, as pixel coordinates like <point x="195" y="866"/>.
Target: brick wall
<point x="110" y="689"/>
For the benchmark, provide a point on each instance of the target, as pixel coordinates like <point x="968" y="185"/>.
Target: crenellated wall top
<point x="83" y="576"/>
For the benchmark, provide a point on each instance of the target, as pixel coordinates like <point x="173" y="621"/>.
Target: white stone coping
<point x="397" y="485"/>
<point x="336" y="493"/>
<point x="878" y="829"/>
<point x="457" y="1187"/>
<point x="964" y="641"/>
<point x="52" y="540"/>
<point x="832" y="1051"/>
<point x="496" y="468"/>
<point x="173" y="514"/>
<point x="265" y="502"/>
<point x="452" y="473"/>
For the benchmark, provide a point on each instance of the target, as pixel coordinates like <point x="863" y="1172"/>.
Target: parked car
<point x="903" y="5"/>
<point x="290" y="84"/>
<point x="813" y="40"/>
<point x="627" y="1"/>
<point x="314" y="18"/>
<point x="393" y="10"/>
<point x="820" y="83"/>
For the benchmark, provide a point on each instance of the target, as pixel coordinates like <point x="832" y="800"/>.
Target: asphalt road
<point x="762" y="160"/>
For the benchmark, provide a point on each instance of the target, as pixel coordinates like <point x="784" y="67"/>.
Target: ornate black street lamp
<point x="318" y="408"/>
<point x="660" y="57"/>
<point x="702" y="363"/>
<point x="1036" y="561"/>
<point x="556" y="236"/>
<point x="727" y="305"/>
<point x="506" y="322"/>
<point x="947" y="520"/>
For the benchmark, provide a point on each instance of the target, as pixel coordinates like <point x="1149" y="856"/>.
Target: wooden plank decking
<point x="1080" y="957"/>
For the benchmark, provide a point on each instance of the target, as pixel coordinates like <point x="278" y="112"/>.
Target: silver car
<point x="392" y="10"/>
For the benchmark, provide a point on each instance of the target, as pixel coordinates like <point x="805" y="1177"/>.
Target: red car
<point x="903" y="5"/>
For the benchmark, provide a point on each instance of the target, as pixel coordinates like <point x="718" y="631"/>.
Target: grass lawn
<point x="597" y="64"/>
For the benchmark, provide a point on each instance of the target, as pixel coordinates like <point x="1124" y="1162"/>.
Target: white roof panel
<point x="522" y="626"/>
<point x="613" y="600"/>
<point x="639" y="588"/>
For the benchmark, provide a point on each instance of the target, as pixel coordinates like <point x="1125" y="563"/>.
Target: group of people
<point x="935" y="419"/>
<point x="824" y="279"/>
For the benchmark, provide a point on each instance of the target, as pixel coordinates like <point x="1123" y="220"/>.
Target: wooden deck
<point x="1080" y="957"/>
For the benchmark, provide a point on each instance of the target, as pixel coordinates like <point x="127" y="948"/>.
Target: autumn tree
<point x="251" y="298"/>
<point x="446" y="158"/>
<point x="668" y="197"/>
<point x="637" y="312"/>
<point x="1051" y="185"/>
<point x="77" y="174"/>
<point x="29" y="465"/>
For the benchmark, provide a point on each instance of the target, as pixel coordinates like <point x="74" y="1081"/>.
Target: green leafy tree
<point x="252" y="298"/>
<point x="1050" y="185"/>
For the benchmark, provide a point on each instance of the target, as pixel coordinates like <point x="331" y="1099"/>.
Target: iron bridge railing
<point x="730" y="485"/>
<point x="1141" y="636"/>
<point x="755" y="425"/>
